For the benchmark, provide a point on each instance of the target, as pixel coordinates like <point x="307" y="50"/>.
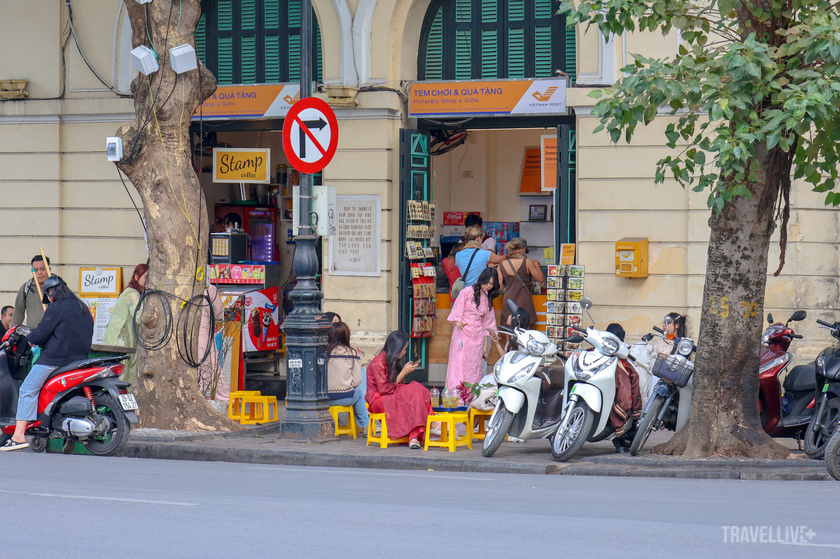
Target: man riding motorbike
<point x="64" y="335"/>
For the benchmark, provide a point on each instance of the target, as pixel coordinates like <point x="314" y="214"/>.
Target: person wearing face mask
<point x="64" y="335"/>
<point x="674" y="326"/>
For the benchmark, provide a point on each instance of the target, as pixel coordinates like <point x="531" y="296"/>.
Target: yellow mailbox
<point x="631" y="257"/>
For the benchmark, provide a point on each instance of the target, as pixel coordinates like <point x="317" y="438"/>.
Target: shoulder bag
<point x="459" y="284"/>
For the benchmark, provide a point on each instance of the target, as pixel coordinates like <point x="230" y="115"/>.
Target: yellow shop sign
<point x="241" y="165"/>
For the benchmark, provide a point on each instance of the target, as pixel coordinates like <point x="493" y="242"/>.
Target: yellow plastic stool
<point x="235" y="403"/>
<point x="258" y="410"/>
<point x="350" y="428"/>
<point x="483" y="416"/>
<point x="382" y="439"/>
<point x="448" y="437"/>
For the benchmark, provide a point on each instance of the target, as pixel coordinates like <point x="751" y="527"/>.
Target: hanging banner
<point x="249" y="101"/>
<point x="548" y="160"/>
<point x="249" y="165"/>
<point x="488" y="97"/>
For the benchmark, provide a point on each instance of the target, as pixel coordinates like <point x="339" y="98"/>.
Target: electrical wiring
<point x="444" y="141"/>
<point x="130" y="197"/>
<point x="190" y="313"/>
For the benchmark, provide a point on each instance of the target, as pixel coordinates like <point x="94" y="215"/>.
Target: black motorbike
<point x="826" y="398"/>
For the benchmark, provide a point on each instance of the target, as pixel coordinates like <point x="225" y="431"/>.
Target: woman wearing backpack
<point x="472" y="259"/>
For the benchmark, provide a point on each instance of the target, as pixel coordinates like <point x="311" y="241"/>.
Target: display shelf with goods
<point x="564" y="284"/>
<point x="420" y="230"/>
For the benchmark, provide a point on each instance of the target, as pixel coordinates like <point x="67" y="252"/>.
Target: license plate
<point x="128" y="402"/>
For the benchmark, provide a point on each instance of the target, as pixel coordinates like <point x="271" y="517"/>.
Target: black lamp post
<point x="307" y="405"/>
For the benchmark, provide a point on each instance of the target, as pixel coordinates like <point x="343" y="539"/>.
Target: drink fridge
<point x="260" y="224"/>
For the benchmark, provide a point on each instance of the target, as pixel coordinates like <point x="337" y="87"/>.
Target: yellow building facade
<point x="61" y="193"/>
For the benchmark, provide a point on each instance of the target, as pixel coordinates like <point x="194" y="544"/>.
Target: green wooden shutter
<point x="571" y="53"/>
<point x="489" y="11"/>
<point x="463" y="11"/>
<point x="542" y="9"/>
<point x="489" y="53"/>
<point x="271" y="11"/>
<point x="224" y="15"/>
<point x="248" y="67"/>
<point x="271" y="59"/>
<point x="319" y="57"/>
<point x="294" y="13"/>
<point x="542" y="52"/>
<point x="463" y="55"/>
<point x="434" y="49"/>
<point x="293" y="55"/>
<point x="516" y="53"/>
<point x="224" y="73"/>
<point x="516" y="10"/>
<point x="248" y="14"/>
<point x="201" y="39"/>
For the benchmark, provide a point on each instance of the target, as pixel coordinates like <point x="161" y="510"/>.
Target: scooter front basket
<point x="675" y="369"/>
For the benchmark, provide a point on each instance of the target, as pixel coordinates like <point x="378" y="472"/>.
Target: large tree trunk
<point x="158" y="160"/>
<point x="724" y="412"/>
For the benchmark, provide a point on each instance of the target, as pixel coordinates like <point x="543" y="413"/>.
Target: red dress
<point x="406" y="406"/>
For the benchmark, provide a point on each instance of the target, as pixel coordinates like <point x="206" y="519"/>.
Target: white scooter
<point x="530" y="396"/>
<point x="589" y="390"/>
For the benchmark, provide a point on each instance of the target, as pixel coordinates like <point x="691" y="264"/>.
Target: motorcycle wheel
<point x="4" y="438"/>
<point x="832" y="455"/>
<point x="38" y="444"/>
<point x="113" y="441"/>
<point x="496" y="430"/>
<point x="646" y="426"/>
<point x="815" y="441"/>
<point x="580" y="425"/>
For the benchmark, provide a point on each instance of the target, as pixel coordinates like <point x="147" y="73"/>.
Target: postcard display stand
<point x="563" y="310"/>
<point x="419" y="233"/>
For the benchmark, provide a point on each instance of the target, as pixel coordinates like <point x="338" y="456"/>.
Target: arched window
<point x="486" y="39"/>
<point x="254" y="41"/>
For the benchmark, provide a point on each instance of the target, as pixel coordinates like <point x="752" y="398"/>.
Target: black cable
<point x="163" y="298"/>
<point x="84" y="58"/>
<point x="190" y="312"/>
<point x="130" y="197"/>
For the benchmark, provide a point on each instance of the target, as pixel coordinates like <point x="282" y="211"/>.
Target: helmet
<point x="51" y="283"/>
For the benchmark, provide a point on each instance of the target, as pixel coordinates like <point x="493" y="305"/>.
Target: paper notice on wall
<point x="101" y="309"/>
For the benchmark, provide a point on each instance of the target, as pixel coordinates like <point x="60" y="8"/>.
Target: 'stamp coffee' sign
<point x="241" y="165"/>
<point x="100" y="282"/>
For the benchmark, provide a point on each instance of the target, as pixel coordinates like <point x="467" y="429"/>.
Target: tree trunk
<point x="724" y="412"/>
<point x="158" y="161"/>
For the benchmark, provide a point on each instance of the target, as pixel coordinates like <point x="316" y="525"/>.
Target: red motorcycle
<point x="784" y="414"/>
<point x="83" y="401"/>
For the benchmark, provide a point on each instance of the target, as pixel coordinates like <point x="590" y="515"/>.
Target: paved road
<point x="124" y="507"/>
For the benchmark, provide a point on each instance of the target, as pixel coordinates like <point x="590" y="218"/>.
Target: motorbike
<point x="83" y="401"/>
<point x="826" y="388"/>
<point x="787" y="407"/>
<point x="663" y="409"/>
<point x="530" y="399"/>
<point x="589" y="390"/>
<point x="832" y="455"/>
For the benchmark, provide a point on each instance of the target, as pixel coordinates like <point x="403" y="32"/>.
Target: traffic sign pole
<point x="307" y="405"/>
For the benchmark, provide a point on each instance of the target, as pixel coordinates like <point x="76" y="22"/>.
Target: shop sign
<point x="241" y="165"/>
<point x="548" y="160"/>
<point x="99" y="289"/>
<point x="531" y="174"/>
<point x="457" y="218"/>
<point x="236" y="273"/>
<point x="488" y="97"/>
<point x="249" y="101"/>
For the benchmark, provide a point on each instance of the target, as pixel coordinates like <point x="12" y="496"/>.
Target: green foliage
<point x="749" y="75"/>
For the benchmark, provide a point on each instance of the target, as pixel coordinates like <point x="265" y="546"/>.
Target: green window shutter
<point x="294" y="57"/>
<point x="248" y="14"/>
<point x="201" y="39"/>
<point x="224" y="73"/>
<point x="319" y="58"/>
<point x="489" y="53"/>
<point x="542" y="9"/>
<point x="271" y="19"/>
<point x="463" y="55"/>
<point x="542" y="52"/>
<point x="489" y="11"/>
<point x="294" y="13"/>
<point x="516" y="10"/>
<point x="271" y="59"/>
<point x="516" y="53"/>
<point x="463" y="11"/>
<point x="434" y="49"/>
<point x="571" y="53"/>
<point x="249" y="60"/>
<point x="224" y="15"/>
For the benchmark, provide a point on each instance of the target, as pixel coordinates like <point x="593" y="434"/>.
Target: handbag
<point x="459" y="284"/>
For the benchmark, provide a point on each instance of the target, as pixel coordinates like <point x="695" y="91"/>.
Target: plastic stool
<point x="483" y="416"/>
<point x="448" y="437"/>
<point x="382" y="439"/>
<point x="258" y="409"/>
<point x="350" y="428"/>
<point x="235" y="406"/>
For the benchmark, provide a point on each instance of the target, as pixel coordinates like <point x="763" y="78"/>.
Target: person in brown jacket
<point x="346" y="385"/>
<point x="627" y="406"/>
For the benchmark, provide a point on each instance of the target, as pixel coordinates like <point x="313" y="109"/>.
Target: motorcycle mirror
<point x="575" y="339"/>
<point x="769" y="318"/>
<point x="798" y="315"/>
<point x="512" y="307"/>
<point x="586" y="303"/>
<point x="647" y="337"/>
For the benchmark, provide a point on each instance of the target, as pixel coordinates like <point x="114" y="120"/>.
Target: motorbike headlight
<point x="780" y="360"/>
<point x="685" y="347"/>
<point x="821" y="363"/>
<point x="521" y="373"/>
<point x="609" y="346"/>
<point x="534" y="347"/>
<point x="496" y="368"/>
<point x="579" y="373"/>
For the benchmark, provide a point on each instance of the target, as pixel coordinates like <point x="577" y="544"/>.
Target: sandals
<point x="414" y="444"/>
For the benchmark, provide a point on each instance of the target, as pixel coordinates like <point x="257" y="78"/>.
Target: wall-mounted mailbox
<point x="631" y="257"/>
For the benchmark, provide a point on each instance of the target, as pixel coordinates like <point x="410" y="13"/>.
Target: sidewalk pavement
<point x="262" y="445"/>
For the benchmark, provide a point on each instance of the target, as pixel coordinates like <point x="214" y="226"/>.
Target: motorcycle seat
<point x="87" y="364"/>
<point x="801" y="378"/>
<point x="556" y="375"/>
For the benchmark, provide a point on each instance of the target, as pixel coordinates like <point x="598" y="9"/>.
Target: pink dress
<point x="467" y="345"/>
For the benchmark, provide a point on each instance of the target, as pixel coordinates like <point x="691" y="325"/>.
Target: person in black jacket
<point x="64" y="334"/>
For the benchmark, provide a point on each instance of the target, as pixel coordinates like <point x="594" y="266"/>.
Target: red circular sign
<point x="310" y="135"/>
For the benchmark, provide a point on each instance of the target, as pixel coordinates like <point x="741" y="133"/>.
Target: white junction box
<point x="323" y="206"/>
<point x="114" y="148"/>
<point x="144" y="60"/>
<point x="182" y="58"/>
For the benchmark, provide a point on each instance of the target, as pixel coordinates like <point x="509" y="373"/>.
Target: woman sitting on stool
<point x="345" y="384"/>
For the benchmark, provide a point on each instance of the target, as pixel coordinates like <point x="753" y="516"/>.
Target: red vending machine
<point x="260" y="224"/>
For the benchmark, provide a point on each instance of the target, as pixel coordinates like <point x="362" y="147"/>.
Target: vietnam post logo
<point x="543" y="97"/>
